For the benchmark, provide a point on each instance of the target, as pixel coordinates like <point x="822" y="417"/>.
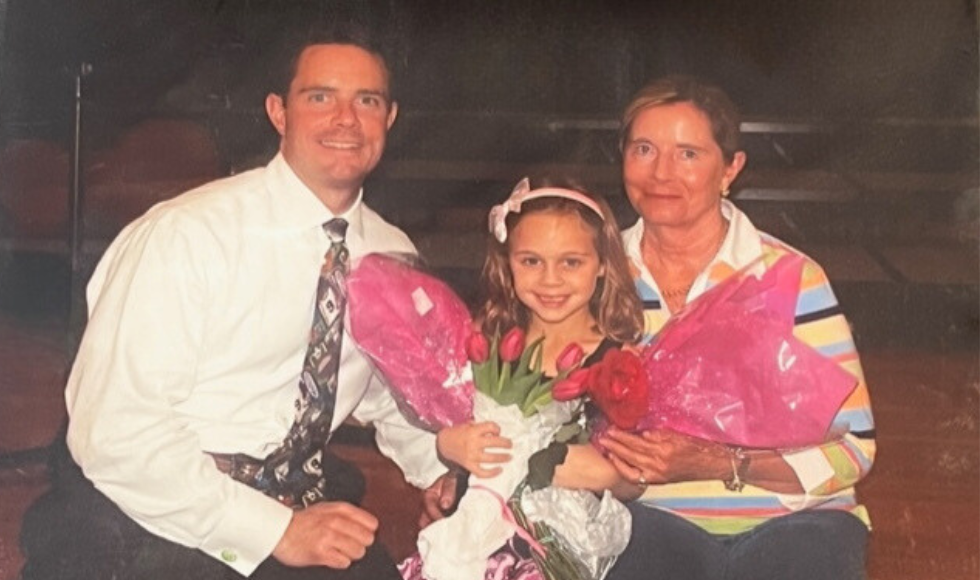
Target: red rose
<point x="477" y="348"/>
<point x="618" y="386"/>
<point x="572" y="386"/>
<point x="512" y="345"/>
<point x="570" y="357"/>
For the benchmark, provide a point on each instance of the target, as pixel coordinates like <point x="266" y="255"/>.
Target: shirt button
<point x="228" y="556"/>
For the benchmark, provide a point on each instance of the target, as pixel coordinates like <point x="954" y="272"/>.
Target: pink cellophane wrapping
<point x="727" y="368"/>
<point x="413" y="327"/>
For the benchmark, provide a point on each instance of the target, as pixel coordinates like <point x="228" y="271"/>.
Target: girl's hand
<point x="665" y="457"/>
<point x="467" y="446"/>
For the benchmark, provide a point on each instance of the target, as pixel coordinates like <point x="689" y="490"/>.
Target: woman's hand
<point x="585" y="468"/>
<point x="665" y="457"/>
<point x="467" y="446"/>
<point x="670" y="457"/>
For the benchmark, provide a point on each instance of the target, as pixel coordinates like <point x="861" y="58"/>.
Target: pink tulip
<point x="477" y="348"/>
<point x="572" y="386"/>
<point x="512" y="345"/>
<point x="570" y="357"/>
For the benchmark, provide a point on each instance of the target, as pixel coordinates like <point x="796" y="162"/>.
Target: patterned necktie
<point x="293" y="472"/>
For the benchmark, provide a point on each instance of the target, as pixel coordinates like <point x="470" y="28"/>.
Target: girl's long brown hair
<point x="614" y="305"/>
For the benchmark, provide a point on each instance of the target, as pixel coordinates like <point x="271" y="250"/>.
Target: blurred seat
<point x="152" y="161"/>
<point x="34" y="189"/>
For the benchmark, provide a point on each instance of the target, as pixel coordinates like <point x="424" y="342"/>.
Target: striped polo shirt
<point x="828" y="471"/>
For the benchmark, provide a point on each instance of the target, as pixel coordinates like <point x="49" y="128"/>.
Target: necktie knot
<point x="336" y="229"/>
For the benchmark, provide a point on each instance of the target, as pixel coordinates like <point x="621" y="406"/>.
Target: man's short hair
<point x="338" y="32"/>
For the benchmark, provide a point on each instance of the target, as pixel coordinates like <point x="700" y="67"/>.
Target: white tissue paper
<point x="457" y="547"/>
<point x="594" y="530"/>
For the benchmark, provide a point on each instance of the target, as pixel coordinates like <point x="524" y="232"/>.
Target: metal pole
<point x="76" y="199"/>
<point x="3" y="37"/>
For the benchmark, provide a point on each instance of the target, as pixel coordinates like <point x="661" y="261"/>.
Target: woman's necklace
<point x="672" y="294"/>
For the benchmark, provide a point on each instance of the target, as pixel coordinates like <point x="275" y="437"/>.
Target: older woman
<point x="709" y="510"/>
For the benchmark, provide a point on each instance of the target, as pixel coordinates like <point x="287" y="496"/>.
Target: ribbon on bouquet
<point x="508" y="516"/>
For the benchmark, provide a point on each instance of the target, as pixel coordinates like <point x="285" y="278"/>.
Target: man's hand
<point x="332" y="534"/>
<point x="468" y="445"/>
<point x="438" y="498"/>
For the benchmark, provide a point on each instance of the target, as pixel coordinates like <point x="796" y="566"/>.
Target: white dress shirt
<point x="199" y="318"/>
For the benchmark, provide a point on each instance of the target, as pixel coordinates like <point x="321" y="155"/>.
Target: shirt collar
<point x="296" y="206"/>
<point x="742" y="245"/>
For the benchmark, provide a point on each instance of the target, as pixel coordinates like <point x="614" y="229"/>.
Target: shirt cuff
<point x="811" y="467"/>
<point x="418" y="460"/>
<point x="251" y="528"/>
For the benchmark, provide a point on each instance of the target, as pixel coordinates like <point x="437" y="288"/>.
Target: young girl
<point x="556" y="268"/>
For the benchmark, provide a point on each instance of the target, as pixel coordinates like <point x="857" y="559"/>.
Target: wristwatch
<point x="740" y="466"/>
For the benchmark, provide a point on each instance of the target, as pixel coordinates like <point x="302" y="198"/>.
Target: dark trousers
<point x="73" y="532"/>
<point x="807" y="545"/>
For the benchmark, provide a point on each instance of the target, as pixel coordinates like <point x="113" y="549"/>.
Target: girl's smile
<point x="555" y="266"/>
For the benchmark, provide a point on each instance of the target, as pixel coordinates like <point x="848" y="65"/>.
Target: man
<point x="199" y="328"/>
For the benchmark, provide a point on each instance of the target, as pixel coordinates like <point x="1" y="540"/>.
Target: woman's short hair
<point x="614" y="305"/>
<point x="709" y="99"/>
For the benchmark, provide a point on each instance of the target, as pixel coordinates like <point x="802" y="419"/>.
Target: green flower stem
<point x="506" y="380"/>
<point x="532" y="352"/>
<point x="537" y="398"/>
<point x="516" y="392"/>
<point x="519" y="382"/>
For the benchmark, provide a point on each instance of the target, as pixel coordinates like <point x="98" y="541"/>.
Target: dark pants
<point x="73" y="532"/>
<point x="807" y="545"/>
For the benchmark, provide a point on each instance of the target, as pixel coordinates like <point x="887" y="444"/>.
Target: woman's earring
<point x="725" y="192"/>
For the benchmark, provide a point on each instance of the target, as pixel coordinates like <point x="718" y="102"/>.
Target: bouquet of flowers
<point x="573" y="534"/>
<point x="414" y="329"/>
<point x="727" y="368"/>
<point x="417" y="332"/>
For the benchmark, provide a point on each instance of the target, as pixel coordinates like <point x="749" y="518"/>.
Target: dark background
<point x="861" y="129"/>
<point x="869" y="58"/>
<point x="837" y="60"/>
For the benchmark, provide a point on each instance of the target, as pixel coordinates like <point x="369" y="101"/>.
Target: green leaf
<point x="532" y="350"/>
<point x="481" y="375"/>
<point x="508" y="397"/>
<point x="503" y="380"/>
<point x="537" y="358"/>
<point x="536" y="400"/>
<point x="541" y="392"/>
<point x="493" y="367"/>
<point x="524" y="384"/>
<point x="515" y="391"/>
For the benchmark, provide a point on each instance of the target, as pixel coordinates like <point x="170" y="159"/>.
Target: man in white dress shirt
<point x="199" y="320"/>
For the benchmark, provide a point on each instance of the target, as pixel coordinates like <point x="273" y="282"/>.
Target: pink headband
<point x="522" y="192"/>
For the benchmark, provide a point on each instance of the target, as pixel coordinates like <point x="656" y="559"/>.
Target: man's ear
<point x="275" y="108"/>
<point x="392" y="113"/>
